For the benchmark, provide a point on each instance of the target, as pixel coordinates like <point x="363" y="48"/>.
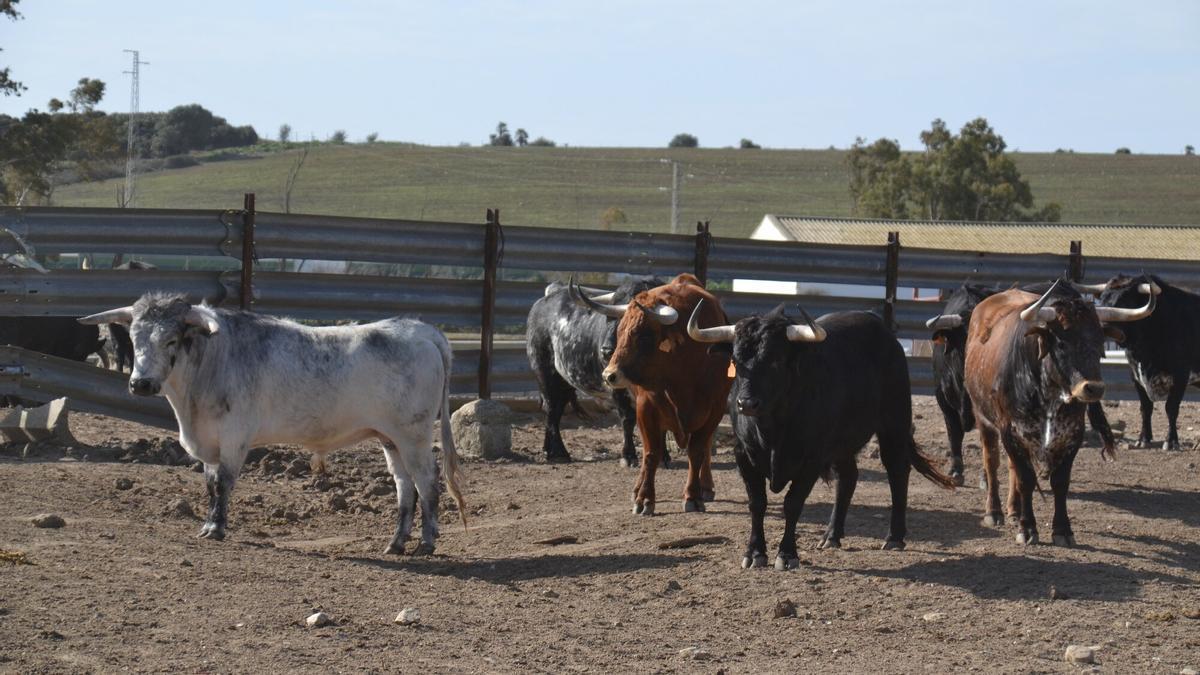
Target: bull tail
<point x="925" y="467"/>
<point x="450" y="467"/>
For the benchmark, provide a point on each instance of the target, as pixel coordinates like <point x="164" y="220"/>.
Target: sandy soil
<point x="126" y="585"/>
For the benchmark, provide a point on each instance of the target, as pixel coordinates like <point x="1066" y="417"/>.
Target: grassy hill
<point x="571" y="187"/>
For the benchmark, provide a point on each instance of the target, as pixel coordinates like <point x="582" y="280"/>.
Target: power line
<point x="127" y="195"/>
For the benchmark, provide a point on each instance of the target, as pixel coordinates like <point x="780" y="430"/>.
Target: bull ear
<point x="203" y="317"/>
<point x="121" y="315"/>
<point x="1115" y="334"/>
<point x="1043" y="339"/>
<point x="939" y="338"/>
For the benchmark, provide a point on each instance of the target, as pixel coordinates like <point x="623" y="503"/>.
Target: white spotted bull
<point x="237" y="379"/>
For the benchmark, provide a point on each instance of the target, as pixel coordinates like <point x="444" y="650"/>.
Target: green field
<point x="571" y="187"/>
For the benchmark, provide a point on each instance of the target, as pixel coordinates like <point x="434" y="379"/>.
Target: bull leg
<point x="699" y="480"/>
<point x="1060" y="482"/>
<point x="557" y="393"/>
<point x="955" y="433"/>
<point x="847" y="480"/>
<point x="1146" y="436"/>
<point x="894" y="453"/>
<point x="628" y="417"/>
<point x="415" y="450"/>
<point x="1012" y="507"/>
<point x="1099" y="422"/>
<point x="1018" y="456"/>
<point x="990" y="442"/>
<point x="793" y="503"/>
<point x="219" y="480"/>
<point x="653" y="443"/>
<point x="406" y="498"/>
<point x="1174" y="398"/>
<point x="756" y="494"/>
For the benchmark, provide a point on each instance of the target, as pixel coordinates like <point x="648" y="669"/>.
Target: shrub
<point x="684" y="141"/>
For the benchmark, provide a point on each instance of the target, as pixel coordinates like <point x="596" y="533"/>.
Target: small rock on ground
<point x="408" y="616"/>
<point x="318" y="620"/>
<point x="784" y="609"/>
<point x="123" y="484"/>
<point x="934" y="616"/>
<point x="1080" y="654"/>
<point x="180" y="508"/>
<point x="48" y="520"/>
<point x="695" y="654"/>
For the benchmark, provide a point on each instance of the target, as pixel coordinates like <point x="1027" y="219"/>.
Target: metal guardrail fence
<point x="467" y="303"/>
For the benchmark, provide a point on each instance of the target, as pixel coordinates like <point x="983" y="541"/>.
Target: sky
<point x="1090" y="76"/>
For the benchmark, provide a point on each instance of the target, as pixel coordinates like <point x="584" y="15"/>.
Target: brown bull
<point x="1032" y="366"/>
<point x="679" y="386"/>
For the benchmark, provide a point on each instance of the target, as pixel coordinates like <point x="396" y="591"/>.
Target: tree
<point x="958" y="177"/>
<point x="748" y="144"/>
<point x="9" y="86"/>
<point x="338" y="137"/>
<point x="1124" y="151"/>
<point x="1189" y="149"/>
<point x="285" y="133"/>
<point x="522" y="138"/>
<point x="542" y="142"/>
<point x="373" y="136"/>
<point x="501" y="137"/>
<point x="183" y="128"/>
<point x="684" y="141"/>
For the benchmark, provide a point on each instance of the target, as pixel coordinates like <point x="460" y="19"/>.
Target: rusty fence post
<point x="703" y="246"/>
<point x="1075" y="261"/>
<point x="246" y="291"/>
<point x="892" y="274"/>
<point x="491" y="261"/>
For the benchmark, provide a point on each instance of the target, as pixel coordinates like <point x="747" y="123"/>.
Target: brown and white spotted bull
<point x="678" y="384"/>
<point x="1032" y="367"/>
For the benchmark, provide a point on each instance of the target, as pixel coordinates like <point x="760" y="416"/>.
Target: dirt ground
<point x="125" y="584"/>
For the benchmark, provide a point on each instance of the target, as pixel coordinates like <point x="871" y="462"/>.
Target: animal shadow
<point x="1156" y="503"/>
<point x="505" y="571"/>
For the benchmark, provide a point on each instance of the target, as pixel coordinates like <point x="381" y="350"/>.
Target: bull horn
<point x="660" y="313"/>
<point x="944" y="321"/>
<point x="204" y="317"/>
<point x="1037" y="312"/>
<point x="1095" y="289"/>
<point x="1120" y="314"/>
<point x="714" y="334"/>
<point x="612" y="311"/>
<point x="122" y="315"/>
<point x="810" y="333"/>
<point x="1147" y="289"/>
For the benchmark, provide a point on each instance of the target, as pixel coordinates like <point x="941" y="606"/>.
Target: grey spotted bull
<point x="238" y="379"/>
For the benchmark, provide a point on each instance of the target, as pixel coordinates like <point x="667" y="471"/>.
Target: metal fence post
<point x="246" y="292"/>
<point x="703" y="245"/>
<point x="891" y="276"/>
<point x="1075" y="262"/>
<point x="491" y="260"/>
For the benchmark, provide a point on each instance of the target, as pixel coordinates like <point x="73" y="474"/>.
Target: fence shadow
<point x="1019" y="577"/>
<point x="525" y="568"/>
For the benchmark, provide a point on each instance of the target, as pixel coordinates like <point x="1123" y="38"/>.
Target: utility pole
<point x="127" y="195"/>
<point x="674" y="193"/>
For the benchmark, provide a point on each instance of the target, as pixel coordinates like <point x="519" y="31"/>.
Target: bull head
<point x="1038" y="312"/>
<point x="1097" y="289"/>
<point x="944" y="322"/>
<point x="795" y="332"/>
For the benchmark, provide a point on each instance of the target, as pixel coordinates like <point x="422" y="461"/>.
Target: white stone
<point x="482" y="429"/>
<point x="318" y="620"/>
<point x="408" y="616"/>
<point x="1080" y="654"/>
<point x="695" y="654"/>
<point x="934" y="616"/>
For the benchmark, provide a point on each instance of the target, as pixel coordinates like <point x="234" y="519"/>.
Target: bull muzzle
<point x="1088" y="391"/>
<point x="143" y="386"/>
<point x="614" y="378"/>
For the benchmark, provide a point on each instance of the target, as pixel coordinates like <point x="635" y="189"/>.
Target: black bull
<point x="949" y="350"/>
<point x="805" y="402"/>
<point x="568" y="347"/>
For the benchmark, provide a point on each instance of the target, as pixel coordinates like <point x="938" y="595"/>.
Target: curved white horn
<point x="1147" y="289"/>
<point x="204" y="317"/>
<point x="810" y="333"/>
<point x="1037" y="312"/>
<point x="613" y="311"/>
<point x="120" y="315"/>
<point x="1095" y="289"/>
<point x="661" y="313"/>
<point x="944" y="321"/>
<point x="605" y="298"/>
<point x="1121" y="314"/>
<point x="714" y="334"/>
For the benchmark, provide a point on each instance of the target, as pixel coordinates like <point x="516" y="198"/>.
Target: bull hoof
<point x="893" y="545"/>
<point x="693" y="506"/>
<point x="1027" y="538"/>
<point x="1144" y="443"/>
<point x="993" y="520"/>
<point x="708" y="495"/>
<point x="758" y="560"/>
<point x="423" y="549"/>
<point x="644" y="509"/>
<point x="957" y="478"/>
<point x="829" y="542"/>
<point x="558" y="458"/>
<point x="212" y="531"/>
<point x="1172" y="445"/>
<point x="1067" y="540"/>
<point x="666" y="462"/>
<point x="629" y="462"/>
<point x="784" y="562"/>
<point x="394" y="548"/>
